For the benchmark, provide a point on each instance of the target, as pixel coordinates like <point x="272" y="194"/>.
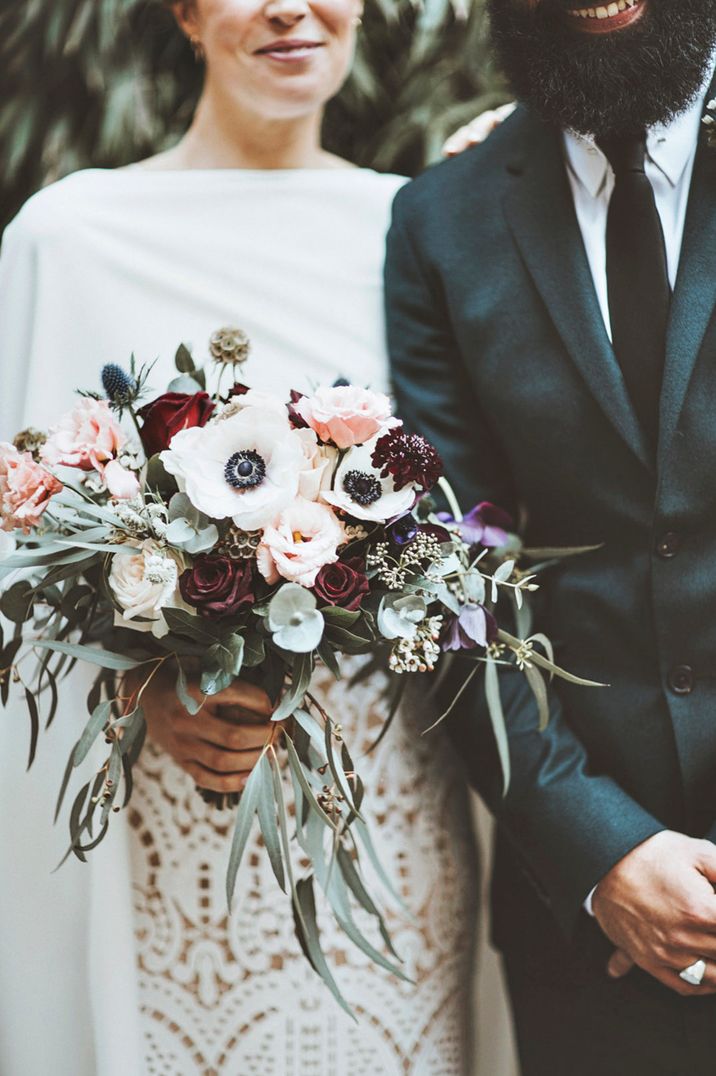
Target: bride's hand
<point x="218" y="755"/>
<point x="477" y="130"/>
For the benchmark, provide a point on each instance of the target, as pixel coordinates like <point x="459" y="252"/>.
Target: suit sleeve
<point x="569" y="824"/>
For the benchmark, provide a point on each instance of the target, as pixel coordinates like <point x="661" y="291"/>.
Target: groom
<point x="550" y="304"/>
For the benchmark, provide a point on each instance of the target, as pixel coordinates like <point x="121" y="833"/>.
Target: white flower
<point x="360" y="491"/>
<point x="245" y="468"/>
<point x="304" y="538"/>
<point x="320" y="463"/>
<point x="294" y="620"/>
<point x="399" y="618"/>
<point x="144" y="584"/>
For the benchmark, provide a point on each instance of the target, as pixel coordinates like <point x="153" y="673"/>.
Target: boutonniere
<point x="709" y="122"/>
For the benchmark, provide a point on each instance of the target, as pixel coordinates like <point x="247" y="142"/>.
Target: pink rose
<point x="345" y="415"/>
<point x="305" y="537"/>
<point x="122" y="483"/>
<point x="86" y="437"/>
<point x="25" y="489"/>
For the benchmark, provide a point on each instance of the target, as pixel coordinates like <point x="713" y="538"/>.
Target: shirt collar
<point x="669" y="146"/>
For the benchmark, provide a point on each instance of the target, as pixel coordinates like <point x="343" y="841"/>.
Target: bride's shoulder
<point x="61" y="205"/>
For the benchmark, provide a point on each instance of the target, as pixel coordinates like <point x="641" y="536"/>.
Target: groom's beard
<point x="601" y="84"/>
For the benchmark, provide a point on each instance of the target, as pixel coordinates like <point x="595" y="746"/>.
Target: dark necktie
<point x="637" y="278"/>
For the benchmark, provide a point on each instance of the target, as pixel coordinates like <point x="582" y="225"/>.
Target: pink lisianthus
<point x="25" y="489"/>
<point x="305" y="537"/>
<point x="122" y="483"/>
<point x="86" y="437"/>
<point x="345" y="415"/>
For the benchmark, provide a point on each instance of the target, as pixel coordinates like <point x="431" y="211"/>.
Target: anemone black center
<point x="362" y="488"/>
<point x="245" y="469"/>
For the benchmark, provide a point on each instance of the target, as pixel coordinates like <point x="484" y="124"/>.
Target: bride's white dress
<point x="158" y="978"/>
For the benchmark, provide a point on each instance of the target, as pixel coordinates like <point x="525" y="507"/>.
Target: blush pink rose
<point x="25" y="489"/>
<point x="305" y="537"/>
<point x="345" y="415"/>
<point x="86" y="437"/>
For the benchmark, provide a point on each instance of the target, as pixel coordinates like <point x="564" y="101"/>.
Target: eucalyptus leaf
<point x="497" y="718"/>
<point x="301" y="673"/>
<point x="304" y="905"/>
<point x="34" y="725"/>
<point x="190" y="704"/>
<point x="107" y="659"/>
<point x="16" y="602"/>
<point x="183" y="360"/>
<point x="267" y="820"/>
<point x="98" y="719"/>
<point x="242" y="828"/>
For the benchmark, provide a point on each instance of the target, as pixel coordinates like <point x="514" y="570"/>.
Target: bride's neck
<point x="223" y="135"/>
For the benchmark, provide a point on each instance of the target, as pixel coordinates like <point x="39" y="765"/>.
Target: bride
<point x="130" y="964"/>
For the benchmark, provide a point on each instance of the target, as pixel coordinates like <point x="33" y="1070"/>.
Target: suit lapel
<point x="694" y="295"/>
<point x="541" y="215"/>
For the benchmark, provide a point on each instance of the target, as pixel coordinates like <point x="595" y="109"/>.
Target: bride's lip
<point x="606" y="18"/>
<point x="289" y="50"/>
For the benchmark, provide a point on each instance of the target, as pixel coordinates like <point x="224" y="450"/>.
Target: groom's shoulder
<point x="476" y="178"/>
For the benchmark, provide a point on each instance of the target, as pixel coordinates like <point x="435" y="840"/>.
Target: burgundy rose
<point x="343" y="583"/>
<point x="170" y="413"/>
<point x="218" y="586"/>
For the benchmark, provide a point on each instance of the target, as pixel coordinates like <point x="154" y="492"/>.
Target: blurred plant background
<point x="105" y="82"/>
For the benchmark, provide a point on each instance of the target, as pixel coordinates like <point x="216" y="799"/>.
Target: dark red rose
<point x="343" y="583"/>
<point x="170" y="413"/>
<point x="218" y="586"/>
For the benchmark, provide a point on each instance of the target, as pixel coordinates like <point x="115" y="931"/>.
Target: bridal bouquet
<point x="235" y="533"/>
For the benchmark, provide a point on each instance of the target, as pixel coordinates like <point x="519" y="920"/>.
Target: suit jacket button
<point x="681" y="679"/>
<point x="668" y="545"/>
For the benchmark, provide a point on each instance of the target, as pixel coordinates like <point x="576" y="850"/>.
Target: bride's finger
<point x="243" y="736"/>
<point x="247" y="696"/>
<point x="215" y="782"/>
<point x="216" y="758"/>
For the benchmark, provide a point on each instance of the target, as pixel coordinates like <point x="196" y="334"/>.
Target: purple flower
<point x="403" y="530"/>
<point x="485" y="525"/>
<point x="475" y="626"/>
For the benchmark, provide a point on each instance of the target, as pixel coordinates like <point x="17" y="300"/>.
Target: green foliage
<point x="89" y="84"/>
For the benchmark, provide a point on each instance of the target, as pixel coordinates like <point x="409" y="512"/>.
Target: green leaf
<point x="367" y="841"/>
<point x="267" y="820"/>
<point x="69" y="768"/>
<point x="348" y="869"/>
<point x="190" y="704"/>
<point x="338" y="897"/>
<point x="333" y="614"/>
<point x="98" y="719"/>
<point x="299" y="773"/>
<point x="106" y="659"/>
<point x="254" y="650"/>
<point x="34" y="725"/>
<point x="539" y="690"/>
<point x="301" y="673"/>
<point x="497" y="718"/>
<point x="242" y="828"/>
<point x="183" y="360"/>
<point x="304" y="906"/>
<point x="114" y="773"/>
<point x="329" y="659"/>
<point x="17" y="601"/>
<point x="193" y="626"/>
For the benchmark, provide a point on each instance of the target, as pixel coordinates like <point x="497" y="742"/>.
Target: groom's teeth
<point x="603" y="12"/>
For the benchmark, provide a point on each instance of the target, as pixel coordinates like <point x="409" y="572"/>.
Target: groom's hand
<point x="659" y="908"/>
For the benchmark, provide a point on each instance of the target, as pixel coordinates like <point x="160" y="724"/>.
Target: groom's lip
<point x="606" y="18"/>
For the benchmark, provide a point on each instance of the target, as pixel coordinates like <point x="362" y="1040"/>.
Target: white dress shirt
<point x="670" y="155"/>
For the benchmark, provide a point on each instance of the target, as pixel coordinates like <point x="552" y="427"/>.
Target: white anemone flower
<point x="245" y="467"/>
<point x="360" y="491"/>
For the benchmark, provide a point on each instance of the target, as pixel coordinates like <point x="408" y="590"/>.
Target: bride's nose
<point x="286" y="13"/>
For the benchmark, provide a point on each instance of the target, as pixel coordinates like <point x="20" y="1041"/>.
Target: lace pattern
<point x="234" y="995"/>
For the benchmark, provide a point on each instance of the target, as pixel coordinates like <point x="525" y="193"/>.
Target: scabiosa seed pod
<point x="120" y="388"/>
<point x="229" y="347"/>
<point x="30" y="440"/>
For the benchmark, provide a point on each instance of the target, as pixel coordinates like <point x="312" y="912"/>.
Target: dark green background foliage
<point x="104" y="82"/>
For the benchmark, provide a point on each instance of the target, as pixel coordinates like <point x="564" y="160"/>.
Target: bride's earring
<point x="197" y="48"/>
